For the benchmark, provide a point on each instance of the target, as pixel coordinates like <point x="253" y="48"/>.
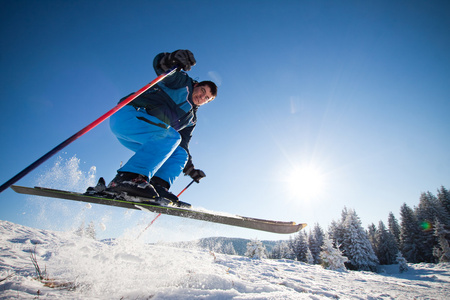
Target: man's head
<point x="204" y="92"/>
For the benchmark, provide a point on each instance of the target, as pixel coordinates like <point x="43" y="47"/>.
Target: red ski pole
<point x="186" y="188"/>
<point x="52" y="152"/>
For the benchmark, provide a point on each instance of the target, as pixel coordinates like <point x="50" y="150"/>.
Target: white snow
<point x="129" y="269"/>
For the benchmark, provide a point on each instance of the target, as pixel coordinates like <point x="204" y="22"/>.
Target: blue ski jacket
<point x="171" y="102"/>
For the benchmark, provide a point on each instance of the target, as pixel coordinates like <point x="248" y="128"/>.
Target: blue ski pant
<point x="156" y="145"/>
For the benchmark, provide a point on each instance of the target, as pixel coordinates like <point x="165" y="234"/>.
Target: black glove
<point x="184" y="59"/>
<point x="195" y="174"/>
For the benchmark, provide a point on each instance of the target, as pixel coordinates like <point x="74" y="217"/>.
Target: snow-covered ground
<point x="82" y="268"/>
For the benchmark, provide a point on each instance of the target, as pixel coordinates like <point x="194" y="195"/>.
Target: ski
<point x="192" y="213"/>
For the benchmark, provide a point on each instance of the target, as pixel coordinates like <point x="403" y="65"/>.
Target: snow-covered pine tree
<point x="90" y="231"/>
<point x="281" y="251"/>
<point x="276" y="251"/>
<point x="291" y="253"/>
<point x="386" y="249"/>
<point x="402" y="263"/>
<point x="394" y="228"/>
<point x="301" y="246"/>
<point x="256" y="249"/>
<point x="309" y="257"/>
<point x="336" y="230"/>
<point x="443" y="196"/>
<point x="357" y="246"/>
<point x="409" y="234"/>
<point x="442" y="251"/>
<point x="372" y="234"/>
<point x="315" y="242"/>
<point x="427" y="212"/>
<point x="332" y="258"/>
<point x="288" y="252"/>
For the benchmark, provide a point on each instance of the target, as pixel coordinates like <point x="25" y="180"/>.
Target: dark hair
<point x="211" y="85"/>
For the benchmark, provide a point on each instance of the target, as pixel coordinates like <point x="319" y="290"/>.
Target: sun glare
<point x="306" y="182"/>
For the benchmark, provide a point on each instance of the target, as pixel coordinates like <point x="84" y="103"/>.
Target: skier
<point x="158" y="126"/>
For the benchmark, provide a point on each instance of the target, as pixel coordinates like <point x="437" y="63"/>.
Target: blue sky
<point x="321" y="105"/>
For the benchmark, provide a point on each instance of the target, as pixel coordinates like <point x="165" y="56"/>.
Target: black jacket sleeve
<point x="186" y="135"/>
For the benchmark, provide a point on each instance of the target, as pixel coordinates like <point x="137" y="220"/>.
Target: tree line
<point x="422" y="235"/>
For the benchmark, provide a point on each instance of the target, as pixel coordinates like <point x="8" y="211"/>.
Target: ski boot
<point x="134" y="187"/>
<point x="162" y="188"/>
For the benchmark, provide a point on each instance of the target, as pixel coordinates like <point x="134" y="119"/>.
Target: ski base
<point x="233" y="220"/>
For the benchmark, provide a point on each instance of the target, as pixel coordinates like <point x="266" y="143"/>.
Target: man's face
<point x="201" y="94"/>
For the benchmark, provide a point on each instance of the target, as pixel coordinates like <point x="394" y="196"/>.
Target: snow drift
<point x="82" y="268"/>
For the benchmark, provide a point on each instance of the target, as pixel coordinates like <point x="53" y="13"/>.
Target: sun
<point x="305" y="182"/>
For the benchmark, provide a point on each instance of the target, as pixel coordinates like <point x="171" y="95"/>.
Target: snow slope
<point x="128" y="269"/>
